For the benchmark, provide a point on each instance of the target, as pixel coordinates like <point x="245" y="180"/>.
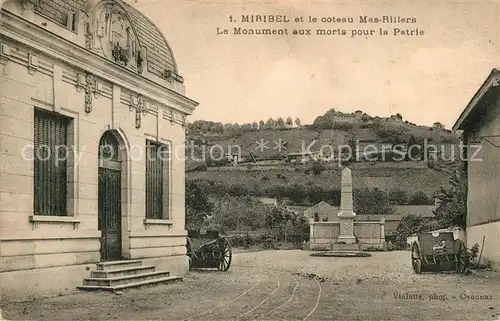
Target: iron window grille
<point x="157" y="180"/>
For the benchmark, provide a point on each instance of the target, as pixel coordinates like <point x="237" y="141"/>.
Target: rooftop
<point x="159" y="55"/>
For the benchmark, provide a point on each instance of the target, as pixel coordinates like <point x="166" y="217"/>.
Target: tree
<point x="255" y="126"/>
<point x="247" y="127"/>
<point x="414" y="149"/>
<point x="262" y="124"/>
<point x="219" y="128"/>
<point x="374" y="201"/>
<point x="289" y="121"/>
<point x="452" y="210"/>
<point x="198" y="204"/>
<point x="241" y="213"/>
<point x="270" y="123"/>
<point x="280" y="123"/>
<point x="317" y="169"/>
<point x="411" y="224"/>
<point x="297" y="194"/>
<point x="228" y="128"/>
<point x="297" y="122"/>
<point x="398" y="197"/>
<point x="420" y="198"/>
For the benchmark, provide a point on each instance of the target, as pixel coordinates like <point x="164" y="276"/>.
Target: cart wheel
<point x="416" y="261"/>
<point x="189" y="252"/>
<point x="226" y="256"/>
<point x="461" y="255"/>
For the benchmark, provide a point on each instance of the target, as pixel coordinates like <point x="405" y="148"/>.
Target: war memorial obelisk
<point x="346" y="212"/>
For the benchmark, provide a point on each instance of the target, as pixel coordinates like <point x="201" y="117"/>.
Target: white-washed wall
<point x="27" y="245"/>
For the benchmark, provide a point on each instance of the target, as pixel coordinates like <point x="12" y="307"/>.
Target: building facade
<point x="480" y="126"/>
<point x="92" y="116"/>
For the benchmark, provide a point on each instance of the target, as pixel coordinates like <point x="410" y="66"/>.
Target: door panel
<point x="110" y="213"/>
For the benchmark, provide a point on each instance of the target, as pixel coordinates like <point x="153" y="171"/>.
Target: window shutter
<point x="50" y="168"/>
<point x="154" y="180"/>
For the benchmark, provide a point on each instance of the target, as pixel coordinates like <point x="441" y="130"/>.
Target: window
<point x="50" y="163"/>
<point x="157" y="180"/>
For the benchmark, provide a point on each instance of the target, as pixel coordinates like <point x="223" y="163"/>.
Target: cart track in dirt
<point x="224" y="304"/>
<point x="320" y="289"/>
<point x="282" y="305"/>
<point x="278" y="285"/>
<point x="253" y="300"/>
<point x="282" y="299"/>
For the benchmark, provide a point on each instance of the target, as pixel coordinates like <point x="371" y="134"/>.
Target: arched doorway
<point x="109" y="201"/>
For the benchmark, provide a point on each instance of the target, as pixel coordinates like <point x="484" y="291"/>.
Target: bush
<point x="472" y="254"/>
<point x="345" y="126"/>
<point x="398" y="197"/>
<point x="374" y="201"/>
<point x="420" y="198"/>
<point x="317" y="169"/>
<point x="411" y="224"/>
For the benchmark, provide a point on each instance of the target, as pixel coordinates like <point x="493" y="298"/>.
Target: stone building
<point x="480" y="127"/>
<point x="92" y="111"/>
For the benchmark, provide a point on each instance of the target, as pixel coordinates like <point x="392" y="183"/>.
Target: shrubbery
<point x="420" y="198"/>
<point x="412" y="224"/>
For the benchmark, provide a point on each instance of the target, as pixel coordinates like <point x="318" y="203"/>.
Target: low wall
<point x="393" y="164"/>
<point x="491" y="234"/>
<point x="323" y="235"/>
<point x="370" y="234"/>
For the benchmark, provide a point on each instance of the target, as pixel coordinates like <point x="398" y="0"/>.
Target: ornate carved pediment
<point x="111" y="34"/>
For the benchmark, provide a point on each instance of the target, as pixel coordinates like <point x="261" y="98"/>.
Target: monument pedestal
<point x="346" y="228"/>
<point x="346" y="240"/>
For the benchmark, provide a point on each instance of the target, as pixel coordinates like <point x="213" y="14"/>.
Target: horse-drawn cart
<point x="208" y="250"/>
<point x="438" y="251"/>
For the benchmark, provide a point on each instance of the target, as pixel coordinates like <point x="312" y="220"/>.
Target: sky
<point x="425" y="78"/>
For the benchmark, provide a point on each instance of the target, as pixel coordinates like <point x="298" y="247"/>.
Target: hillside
<point x="332" y="129"/>
<point x="408" y="180"/>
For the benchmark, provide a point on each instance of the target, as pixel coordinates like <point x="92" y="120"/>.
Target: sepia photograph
<point x="294" y="160"/>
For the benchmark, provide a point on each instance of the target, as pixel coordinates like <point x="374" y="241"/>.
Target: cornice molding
<point x="32" y="36"/>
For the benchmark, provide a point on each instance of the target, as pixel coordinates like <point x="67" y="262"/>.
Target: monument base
<point x="345" y="247"/>
<point x="348" y="239"/>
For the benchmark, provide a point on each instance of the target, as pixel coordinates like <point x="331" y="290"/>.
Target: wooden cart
<point x="438" y="251"/>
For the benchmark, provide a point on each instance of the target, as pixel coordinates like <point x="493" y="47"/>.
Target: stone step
<point x="345" y="247"/>
<point x="134" y="270"/>
<point x="119" y="280"/>
<point x="111" y="265"/>
<point x="137" y="284"/>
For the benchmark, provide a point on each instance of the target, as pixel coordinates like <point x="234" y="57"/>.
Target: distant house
<point x="397" y="118"/>
<point x="322" y="210"/>
<point x="480" y="127"/>
<point x="269" y="200"/>
<point x="302" y="157"/>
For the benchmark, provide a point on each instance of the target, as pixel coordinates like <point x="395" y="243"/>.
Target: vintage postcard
<point x="249" y="160"/>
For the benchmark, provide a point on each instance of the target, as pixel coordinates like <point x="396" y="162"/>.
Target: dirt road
<point x="287" y="285"/>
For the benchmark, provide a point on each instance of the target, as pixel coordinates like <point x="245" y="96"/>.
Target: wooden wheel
<point x="225" y="257"/>
<point x="189" y="252"/>
<point x="461" y="257"/>
<point x="416" y="259"/>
